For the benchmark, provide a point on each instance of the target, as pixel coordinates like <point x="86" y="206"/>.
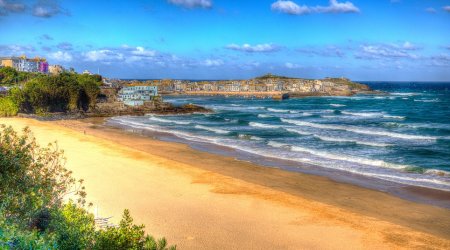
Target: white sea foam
<point x="278" y="110"/>
<point x="348" y="158"/>
<point x="250" y="137"/>
<point x="394" y="117"/>
<point x="297" y="131"/>
<point x="337" y="105"/>
<point x="362" y="114"/>
<point x="437" y="172"/>
<point x="262" y="125"/>
<point x="436" y="179"/>
<point x="157" y="119"/>
<point x="215" y="130"/>
<point x="264" y="116"/>
<point x="359" y="130"/>
<point x="333" y="139"/>
<point x="427" y="100"/>
<point x="419" y="125"/>
<point x="405" y="93"/>
<point x="277" y="144"/>
<point x="373" y="115"/>
<point x="231" y="120"/>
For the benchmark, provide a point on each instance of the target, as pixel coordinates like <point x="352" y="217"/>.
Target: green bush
<point x="10" y="76"/>
<point x="75" y="227"/>
<point x="128" y="236"/>
<point x="71" y="92"/>
<point x="33" y="184"/>
<point x="8" y="107"/>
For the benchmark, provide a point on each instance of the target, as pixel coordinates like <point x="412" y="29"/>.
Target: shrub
<point x="8" y="107"/>
<point x="61" y="93"/>
<point x="75" y="227"/>
<point x="128" y="236"/>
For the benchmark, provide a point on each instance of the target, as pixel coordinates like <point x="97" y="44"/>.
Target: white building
<point x="137" y="94"/>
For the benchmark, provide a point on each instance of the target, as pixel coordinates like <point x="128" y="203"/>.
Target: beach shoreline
<point x="419" y="194"/>
<point x="382" y="220"/>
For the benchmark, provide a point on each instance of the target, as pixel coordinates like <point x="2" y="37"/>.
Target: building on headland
<point x="137" y="94"/>
<point x="55" y="69"/>
<point x="25" y="64"/>
<point x="87" y="72"/>
<point x="265" y="86"/>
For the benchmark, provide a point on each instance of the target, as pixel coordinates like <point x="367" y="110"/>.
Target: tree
<point x="8" y="76"/>
<point x="33" y="183"/>
<point x="32" y="179"/>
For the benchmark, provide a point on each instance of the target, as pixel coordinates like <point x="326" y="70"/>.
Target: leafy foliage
<point x="10" y="76"/>
<point x="33" y="184"/>
<point x="270" y="76"/>
<point x="75" y="227"/>
<point x="39" y="93"/>
<point x="60" y="93"/>
<point x="128" y="236"/>
<point x="8" y="107"/>
<point x="32" y="179"/>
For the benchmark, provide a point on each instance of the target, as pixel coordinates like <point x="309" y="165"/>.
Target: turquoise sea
<point x="401" y="137"/>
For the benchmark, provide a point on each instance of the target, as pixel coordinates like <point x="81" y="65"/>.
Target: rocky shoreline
<point x="166" y="109"/>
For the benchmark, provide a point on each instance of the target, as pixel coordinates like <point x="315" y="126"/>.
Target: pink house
<point x="43" y="67"/>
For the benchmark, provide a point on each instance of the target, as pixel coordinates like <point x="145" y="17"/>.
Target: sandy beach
<point x="199" y="200"/>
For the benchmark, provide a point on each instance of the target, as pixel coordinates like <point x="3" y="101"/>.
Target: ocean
<point x="398" y="138"/>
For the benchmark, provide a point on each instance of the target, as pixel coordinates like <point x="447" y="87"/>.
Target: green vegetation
<point x="270" y="76"/>
<point x="10" y="76"/>
<point x="41" y="94"/>
<point x="346" y="81"/>
<point x="8" y="107"/>
<point x="33" y="184"/>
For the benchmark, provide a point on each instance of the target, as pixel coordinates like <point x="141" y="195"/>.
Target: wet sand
<point x="199" y="200"/>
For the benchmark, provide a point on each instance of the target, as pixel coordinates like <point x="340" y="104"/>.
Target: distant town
<point x="136" y="93"/>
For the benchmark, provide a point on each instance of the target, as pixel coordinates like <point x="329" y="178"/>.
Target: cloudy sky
<point x="397" y="40"/>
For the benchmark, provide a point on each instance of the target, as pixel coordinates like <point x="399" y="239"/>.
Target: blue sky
<point x="399" y="40"/>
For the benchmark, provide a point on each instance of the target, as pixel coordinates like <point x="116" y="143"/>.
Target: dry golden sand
<point x="199" y="200"/>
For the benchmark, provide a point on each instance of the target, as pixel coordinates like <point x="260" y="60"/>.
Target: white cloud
<point x="48" y="8"/>
<point x="61" y="56"/>
<point x="441" y="60"/>
<point x="213" y="62"/>
<point x="409" y="46"/>
<point x="7" y="7"/>
<point x="103" y="55"/>
<point x="387" y="51"/>
<point x="446" y="8"/>
<point x="11" y="50"/>
<point x="253" y="48"/>
<point x="141" y="51"/>
<point x="192" y="3"/>
<point x="292" y="65"/>
<point x="334" y="6"/>
<point x="290" y="7"/>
